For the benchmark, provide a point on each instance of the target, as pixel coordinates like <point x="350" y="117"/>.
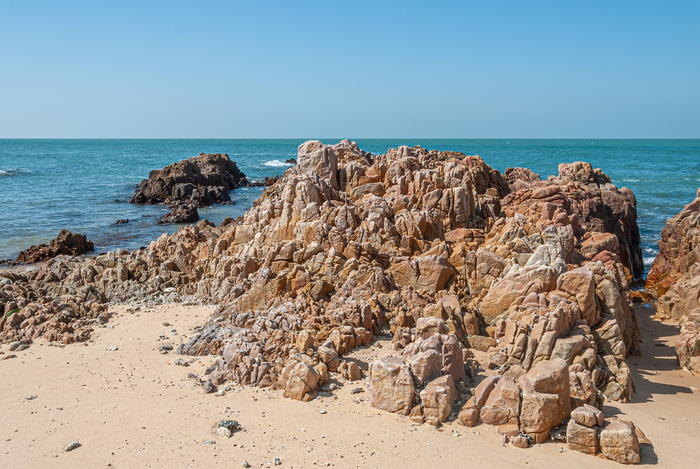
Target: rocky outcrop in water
<point x="437" y="250"/>
<point x="180" y="212"/>
<point x="202" y="180"/>
<point x="66" y="243"/>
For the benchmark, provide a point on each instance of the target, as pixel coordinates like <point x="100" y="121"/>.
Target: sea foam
<point x="276" y="163"/>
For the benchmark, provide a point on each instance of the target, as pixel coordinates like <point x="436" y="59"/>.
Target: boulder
<point x="180" y="213"/>
<point x="390" y="385"/>
<point x="545" y="396"/>
<point x="299" y="380"/>
<point x="438" y="397"/>
<point x="201" y="180"/>
<point x="503" y="404"/>
<point x="618" y="441"/>
<point x="582" y="438"/>
<point x="588" y="416"/>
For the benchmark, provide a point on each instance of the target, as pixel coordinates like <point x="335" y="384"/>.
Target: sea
<point x="84" y="185"/>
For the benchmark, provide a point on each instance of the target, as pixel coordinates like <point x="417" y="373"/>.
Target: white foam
<point x="276" y="163"/>
<point x="649" y="260"/>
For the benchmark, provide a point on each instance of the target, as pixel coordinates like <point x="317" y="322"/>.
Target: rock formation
<point x="436" y="249"/>
<point x="180" y="212"/>
<point x="674" y="279"/>
<point x="66" y="243"/>
<point x="203" y="180"/>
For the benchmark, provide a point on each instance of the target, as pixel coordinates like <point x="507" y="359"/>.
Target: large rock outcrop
<point x="202" y="180"/>
<point x="435" y="248"/>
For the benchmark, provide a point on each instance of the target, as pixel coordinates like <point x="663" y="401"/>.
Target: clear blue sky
<point x="230" y="69"/>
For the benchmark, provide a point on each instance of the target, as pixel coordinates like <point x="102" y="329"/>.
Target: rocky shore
<point x="506" y="298"/>
<point x="674" y="279"/>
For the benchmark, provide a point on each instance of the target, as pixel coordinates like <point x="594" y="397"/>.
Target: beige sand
<point x="133" y="407"/>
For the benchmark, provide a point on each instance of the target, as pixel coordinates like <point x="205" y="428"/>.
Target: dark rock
<point x="268" y="181"/>
<point x="66" y="243"/>
<point x="180" y="213"/>
<point x="231" y="425"/>
<point x="122" y="221"/>
<point x="202" y="180"/>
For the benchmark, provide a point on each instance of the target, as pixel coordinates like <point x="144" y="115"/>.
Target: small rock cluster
<point x="589" y="432"/>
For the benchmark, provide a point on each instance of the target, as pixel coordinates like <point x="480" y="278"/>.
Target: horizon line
<point x="345" y="138"/>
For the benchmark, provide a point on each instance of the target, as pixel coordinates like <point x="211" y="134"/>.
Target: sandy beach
<point x="128" y="405"/>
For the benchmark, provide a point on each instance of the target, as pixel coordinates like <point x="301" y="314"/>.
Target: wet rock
<point x="66" y="243"/>
<point x="180" y="213"/>
<point x="202" y="180"/>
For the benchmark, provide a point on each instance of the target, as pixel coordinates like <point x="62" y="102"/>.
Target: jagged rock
<point x="425" y="366"/>
<point x="202" y="180"/>
<point x="350" y="371"/>
<point x="428" y="273"/>
<point x="588" y="416"/>
<point x="66" y="243"/>
<point x="469" y="415"/>
<point x="435" y="247"/>
<point x="580" y="283"/>
<point x="180" y="213"/>
<point x="688" y="345"/>
<point x="299" y="380"/>
<point x="674" y="276"/>
<point x="329" y="356"/>
<point x="503" y="404"/>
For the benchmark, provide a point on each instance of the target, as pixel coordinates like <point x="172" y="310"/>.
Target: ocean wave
<point x="649" y="250"/>
<point x="8" y="172"/>
<point x="276" y="163"/>
<point x="649" y="260"/>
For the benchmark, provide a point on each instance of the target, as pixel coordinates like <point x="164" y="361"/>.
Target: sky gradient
<point x="349" y="69"/>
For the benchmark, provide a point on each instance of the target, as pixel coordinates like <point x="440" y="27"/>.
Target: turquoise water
<point x="83" y="185"/>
